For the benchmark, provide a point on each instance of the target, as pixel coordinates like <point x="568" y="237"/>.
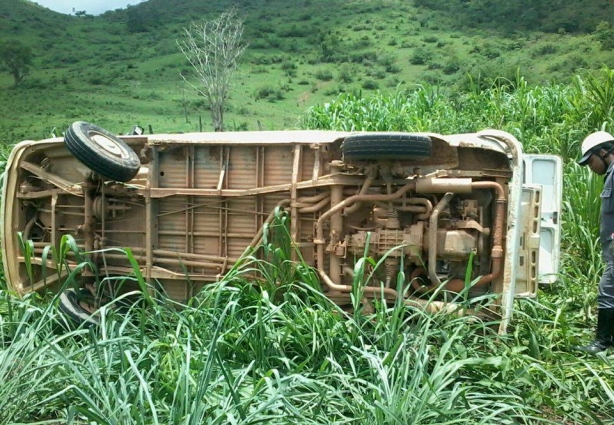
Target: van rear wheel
<point x="101" y="151"/>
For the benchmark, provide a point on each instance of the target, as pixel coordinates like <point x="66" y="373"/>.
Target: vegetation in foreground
<point x="284" y="354"/>
<point x="244" y="353"/>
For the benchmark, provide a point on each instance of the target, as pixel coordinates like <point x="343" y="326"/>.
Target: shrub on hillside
<point x="324" y="74"/>
<point x="452" y="66"/>
<point x="370" y="85"/>
<point x="345" y="73"/>
<point x="261" y="60"/>
<point x="99" y="79"/>
<point x="393" y="69"/>
<point x="260" y="27"/>
<point x="393" y="82"/>
<point x="433" y="78"/>
<point x="259" y="43"/>
<point x="295" y="31"/>
<point x="275" y="42"/>
<point x="270" y="93"/>
<point x="544" y="49"/>
<point x="568" y="64"/>
<point x="387" y="60"/>
<point x="335" y="90"/>
<point x="364" y="57"/>
<point x="289" y="68"/>
<point x="605" y="34"/>
<point x="379" y="74"/>
<point x="362" y="43"/>
<point x="420" y="56"/>
<point x="287" y="65"/>
<point x="489" y="50"/>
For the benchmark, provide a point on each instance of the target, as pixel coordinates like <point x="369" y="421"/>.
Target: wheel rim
<point x="109" y="145"/>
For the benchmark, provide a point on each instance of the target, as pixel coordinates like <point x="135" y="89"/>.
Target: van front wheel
<point x="387" y="146"/>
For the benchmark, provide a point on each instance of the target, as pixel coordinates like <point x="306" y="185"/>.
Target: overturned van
<point x="443" y="209"/>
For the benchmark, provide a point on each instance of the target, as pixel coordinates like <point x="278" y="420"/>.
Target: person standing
<point x="598" y="153"/>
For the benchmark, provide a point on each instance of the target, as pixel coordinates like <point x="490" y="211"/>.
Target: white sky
<point x="92" y="7"/>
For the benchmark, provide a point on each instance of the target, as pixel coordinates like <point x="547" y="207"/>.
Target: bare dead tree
<point x="213" y="48"/>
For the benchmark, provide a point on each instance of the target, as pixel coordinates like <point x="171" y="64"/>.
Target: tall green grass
<point x="281" y="352"/>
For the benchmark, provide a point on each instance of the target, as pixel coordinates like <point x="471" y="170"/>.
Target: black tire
<point x="70" y="304"/>
<point x="362" y="147"/>
<point x="102" y="152"/>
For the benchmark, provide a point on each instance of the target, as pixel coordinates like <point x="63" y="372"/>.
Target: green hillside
<point x="123" y="68"/>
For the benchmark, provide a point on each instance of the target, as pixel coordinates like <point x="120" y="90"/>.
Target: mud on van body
<point x="189" y="204"/>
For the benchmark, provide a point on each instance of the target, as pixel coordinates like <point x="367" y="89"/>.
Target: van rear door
<point x="540" y="243"/>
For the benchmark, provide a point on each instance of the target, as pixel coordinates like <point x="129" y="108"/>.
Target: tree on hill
<point x="213" y="49"/>
<point x="17" y="58"/>
<point x="144" y="18"/>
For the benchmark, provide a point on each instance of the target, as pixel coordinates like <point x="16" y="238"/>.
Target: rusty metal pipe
<point x="162" y="256"/>
<point x="363" y="190"/>
<point x="490" y="185"/>
<point x="348" y="288"/>
<point x="423" y="210"/>
<point x="319" y="240"/>
<point x="458" y="285"/>
<point x="30" y="225"/>
<point x="428" y="206"/>
<point x="312" y="199"/>
<point x="500" y="204"/>
<point x="280" y="204"/>
<point x="336" y="229"/>
<point x="316" y="207"/>
<point x="191" y="256"/>
<point x="89" y="220"/>
<point x="419" y="205"/>
<point x="443" y="185"/>
<point x="174" y="262"/>
<point x="432" y="238"/>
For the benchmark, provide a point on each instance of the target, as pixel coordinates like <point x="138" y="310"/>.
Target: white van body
<point x="466" y="214"/>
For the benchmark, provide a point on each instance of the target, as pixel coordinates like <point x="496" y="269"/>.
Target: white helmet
<point x="593" y="140"/>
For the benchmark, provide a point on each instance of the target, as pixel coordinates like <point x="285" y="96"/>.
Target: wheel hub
<point x="109" y="145"/>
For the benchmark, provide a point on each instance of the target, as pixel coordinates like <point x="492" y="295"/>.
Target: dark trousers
<point x="605" y="297"/>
